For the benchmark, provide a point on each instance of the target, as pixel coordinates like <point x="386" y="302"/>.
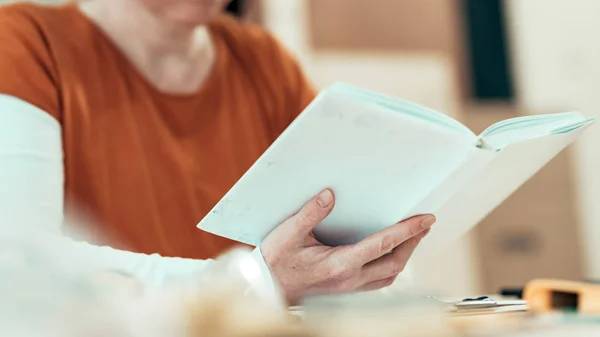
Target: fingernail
<point x="427" y="221"/>
<point x="324" y="198"/>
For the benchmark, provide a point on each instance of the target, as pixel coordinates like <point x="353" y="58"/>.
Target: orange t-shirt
<point x="147" y="165"/>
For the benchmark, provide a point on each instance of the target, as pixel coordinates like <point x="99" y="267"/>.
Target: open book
<point x="386" y="160"/>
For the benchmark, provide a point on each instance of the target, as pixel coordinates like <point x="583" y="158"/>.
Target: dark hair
<point x="236" y="8"/>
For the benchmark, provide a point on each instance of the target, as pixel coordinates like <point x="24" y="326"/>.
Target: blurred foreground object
<point x="549" y="295"/>
<point x="375" y="313"/>
<point x="44" y="296"/>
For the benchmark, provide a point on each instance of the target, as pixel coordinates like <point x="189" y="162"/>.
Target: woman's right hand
<point x="302" y="265"/>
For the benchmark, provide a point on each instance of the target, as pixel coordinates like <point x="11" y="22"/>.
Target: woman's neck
<point x="174" y="59"/>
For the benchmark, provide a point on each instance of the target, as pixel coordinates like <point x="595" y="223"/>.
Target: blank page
<point x="379" y="162"/>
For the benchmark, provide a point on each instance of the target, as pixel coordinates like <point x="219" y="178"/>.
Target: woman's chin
<point x="195" y="13"/>
<point x="187" y="12"/>
<point x="191" y="21"/>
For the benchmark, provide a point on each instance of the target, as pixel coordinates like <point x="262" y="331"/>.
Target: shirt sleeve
<point x="27" y="67"/>
<point x="31" y="202"/>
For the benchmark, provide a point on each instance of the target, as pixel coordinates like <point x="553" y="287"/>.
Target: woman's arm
<point x="32" y="194"/>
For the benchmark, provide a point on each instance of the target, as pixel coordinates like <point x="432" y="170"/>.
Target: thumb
<point x="313" y="212"/>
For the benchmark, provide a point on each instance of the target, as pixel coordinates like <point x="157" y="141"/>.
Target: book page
<point x="503" y="175"/>
<point x="522" y="128"/>
<point x="380" y="164"/>
<point x="475" y="163"/>
<point x="402" y="106"/>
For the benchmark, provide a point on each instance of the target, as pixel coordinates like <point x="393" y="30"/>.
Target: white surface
<point x="555" y="53"/>
<point x="551" y="49"/>
<point x="31" y="202"/>
<point x="384" y="166"/>
<point x="286" y="19"/>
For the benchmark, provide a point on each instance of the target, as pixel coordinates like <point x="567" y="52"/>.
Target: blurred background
<point x="479" y="61"/>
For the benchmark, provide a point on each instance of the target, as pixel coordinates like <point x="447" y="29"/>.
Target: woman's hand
<point x="302" y="265"/>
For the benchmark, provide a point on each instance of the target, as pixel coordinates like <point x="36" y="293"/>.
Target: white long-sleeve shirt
<point x="32" y="194"/>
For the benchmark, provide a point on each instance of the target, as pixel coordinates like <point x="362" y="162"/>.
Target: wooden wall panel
<point x="391" y="25"/>
<point x="383" y="24"/>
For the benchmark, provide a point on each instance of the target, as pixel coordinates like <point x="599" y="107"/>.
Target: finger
<point x="378" y="284"/>
<point x="393" y="263"/>
<point x="312" y="213"/>
<point x="383" y="242"/>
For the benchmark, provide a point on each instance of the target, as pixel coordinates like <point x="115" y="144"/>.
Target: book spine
<point x="482" y="144"/>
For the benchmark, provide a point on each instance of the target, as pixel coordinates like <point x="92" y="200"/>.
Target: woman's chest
<point x="128" y="154"/>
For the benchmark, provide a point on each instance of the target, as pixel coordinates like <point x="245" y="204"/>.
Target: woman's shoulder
<point x="240" y="31"/>
<point x="29" y="36"/>
<point x="38" y="28"/>
<point x="25" y="14"/>
<point x="249" y="42"/>
<point x="270" y="64"/>
<point x="254" y="48"/>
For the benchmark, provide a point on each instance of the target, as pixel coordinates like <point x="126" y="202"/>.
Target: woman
<point x="158" y="107"/>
